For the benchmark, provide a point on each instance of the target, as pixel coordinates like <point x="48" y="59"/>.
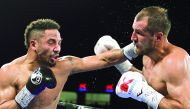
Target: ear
<point x="159" y="36"/>
<point x="33" y="44"/>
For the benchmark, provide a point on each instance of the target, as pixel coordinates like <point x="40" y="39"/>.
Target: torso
<point x="153" y="75"/>
<point x="17" y="73"/>
<point x="159" y="75"/>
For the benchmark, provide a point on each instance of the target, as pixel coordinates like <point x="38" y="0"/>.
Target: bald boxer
<point x="166" y="67"/>
<point x="43" y="41"/>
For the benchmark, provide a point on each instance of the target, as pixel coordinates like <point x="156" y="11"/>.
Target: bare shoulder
<point x="74" y="64"/>
<point x="177" y="63"/>
<point x="67" y="58"/>
<point x="16" y="61"/>
<point x="176" y="57"/>
<point x="10" y="68"/>
<point x="66" y="63"/>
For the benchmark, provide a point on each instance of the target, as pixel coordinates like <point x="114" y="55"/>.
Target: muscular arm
<point x="94" y="62"/>
<point x="177" y="81"/>
<point x="11" y="104"/>
<point x="172" y="101"/>
<point x="7" y="91"/>
<point x="99" y="61"/>
<point x="167" y="103"/>
<point x="107" y="43"/>
<point x="7" y="94"/>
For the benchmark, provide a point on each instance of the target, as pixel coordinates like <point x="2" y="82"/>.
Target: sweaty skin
<point x="171" y="77"/>
<point x="14" y="75"/>
<point x="166" y="67"/>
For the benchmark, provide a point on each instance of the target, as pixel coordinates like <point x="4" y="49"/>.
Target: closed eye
<point x="140" y="32"/>
<point x="51" y="41"/>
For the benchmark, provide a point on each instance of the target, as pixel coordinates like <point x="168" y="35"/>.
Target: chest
<point x="48" y="97"/>
<point x="154" y="76"/>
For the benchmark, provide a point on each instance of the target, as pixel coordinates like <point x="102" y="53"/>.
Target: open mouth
<point x="55" y="57"/>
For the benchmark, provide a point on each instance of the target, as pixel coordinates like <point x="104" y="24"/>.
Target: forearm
<point x="9" y="105"/>
<point x="113" y="57"/>
<point x="107" y="43"/>
<point x="129" y="53"/>
<point x="167" y="103"/>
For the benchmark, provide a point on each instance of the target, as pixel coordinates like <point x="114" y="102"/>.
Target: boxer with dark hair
<point x="19" y="78"/>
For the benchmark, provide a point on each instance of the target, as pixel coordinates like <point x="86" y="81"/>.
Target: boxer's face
<point x="144" y="42"/>
<point x="49" y="46"/>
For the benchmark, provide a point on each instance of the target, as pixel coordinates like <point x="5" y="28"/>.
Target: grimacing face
<point x="49" y="46"/>
<point x="143" y="40"/>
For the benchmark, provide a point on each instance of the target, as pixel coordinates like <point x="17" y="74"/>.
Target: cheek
<point x="44" y="51"/>
<point x="141" y="41"/>
<point x="47" y="48"/>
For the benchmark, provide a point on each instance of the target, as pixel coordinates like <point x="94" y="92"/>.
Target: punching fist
<point x="133" y="85"/>
<point x="105" y="43"/>
<point x="40" y="79"/>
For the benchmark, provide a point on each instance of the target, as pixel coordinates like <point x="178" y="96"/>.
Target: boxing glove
<point x="133" y="85"/>
<point x="40" y="79"/>
<point x="106" y="43"/>
<point x="129" y="51"/>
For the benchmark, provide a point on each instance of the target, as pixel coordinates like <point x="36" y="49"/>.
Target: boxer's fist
<point x="105" y="43"/>
<point x="127" y="85"/>
<point x="40" y="79"/>
<point x="133" y="84"/>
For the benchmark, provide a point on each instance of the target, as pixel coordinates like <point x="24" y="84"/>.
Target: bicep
<point x="11" y="104"/>
<point x="7" y="95"/>
<point x="176" y="77"/>
<point x="167" y="103"/>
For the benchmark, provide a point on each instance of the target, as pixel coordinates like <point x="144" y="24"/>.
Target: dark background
<point x="82" y="23"/>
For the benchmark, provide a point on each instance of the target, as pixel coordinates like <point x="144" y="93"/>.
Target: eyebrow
<point x="142" y="32"/>
<point x="55" y="38"/>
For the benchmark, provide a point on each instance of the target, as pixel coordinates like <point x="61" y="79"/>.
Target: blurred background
<point x="83" y="22"/>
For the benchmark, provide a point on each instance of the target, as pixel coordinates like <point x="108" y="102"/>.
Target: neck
<point x="30" y="59"/>
<point x="160" y="51"/>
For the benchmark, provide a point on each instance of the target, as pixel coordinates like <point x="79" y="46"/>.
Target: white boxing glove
<point x="134" y="85"/>
<point x="129" y="51"/>
<point x="106" y="43"/>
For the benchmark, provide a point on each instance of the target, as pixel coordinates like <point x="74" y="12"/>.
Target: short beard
<point x="42" y="61"/>
<point x="51" y="64"/>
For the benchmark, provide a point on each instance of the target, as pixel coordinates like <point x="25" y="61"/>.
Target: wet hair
<point x="38" y="26"/>
<point x="158" y="20"/>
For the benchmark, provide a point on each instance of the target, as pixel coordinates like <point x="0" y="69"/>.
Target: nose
<point x="134" y="36"/>
<point x="57" y="48"/>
